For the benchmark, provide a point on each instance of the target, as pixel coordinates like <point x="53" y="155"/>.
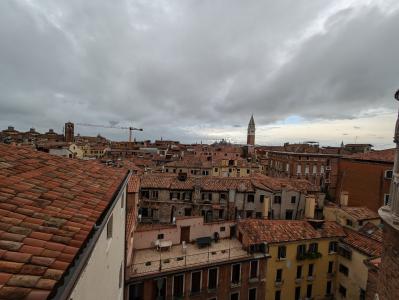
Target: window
<point x="342" y="291"/>
<point x="314" y="169"/>
<point x="222" y="228"/>
<point x="298" y="169"/>
<point x="136" y="291"/>
<point x="109" y="226"/>
<point x="343" y="269"/>
<point x="187" y="211"/>
<point x="310" y="270"/>
<point x="277" y="295"/>
<point x="345" y="252"/>
<point x="258" y="215"/>
<point x="301" y="251"/>
<point x="307" y="169"/>
<point x="298" y="272"/>
<point x="386" y="199"/>
<point x="178" y="285"/>
<point x="216" y="169"/>
<point x="195" y="282"/>
<point x="247" y="171"/>
<point x="262" y="198"/>
<point x="330" y="267"/>
<point x="249" y="213"/>
<point x="235" y="296"/>
<point x="309" y="291"/>
<point x="298" y="293"/>
<point x="388" y="174"/>
<point x="293" y="199"/>
<point x="362" y="295"/>
<point x="221" y="213"/>
<point x="349" y="222"/>
<point x="212" y="278"/>
<point x="329" y="287"/>
<point x="332" y="247"/>
<point x="277" y="200"/>
<point x="282" y="252"/>
<point x="160" y="236"/>
<point x="313" y="248"/>
<point x="154" y="194"/>
<point x="250" y="198"/>
<point x="279" y="275"/>
<point x="235" y="273"/>
<point x="252" y="294"/>
<point x="253" y="269"/>
<point x="289" y="214"/>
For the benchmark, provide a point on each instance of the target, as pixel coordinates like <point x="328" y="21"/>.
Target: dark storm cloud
<point x="169" y="65"/>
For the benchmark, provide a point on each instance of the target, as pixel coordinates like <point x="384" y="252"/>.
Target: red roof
<point x="48" y="206"/>
<point x="280" y="231"/>
<point x="387" y="155"/>
<point x="134" y="184"/>
<point x="362" y="243"/>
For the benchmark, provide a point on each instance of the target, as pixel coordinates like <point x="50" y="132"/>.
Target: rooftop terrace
<point x="150" y="261"/>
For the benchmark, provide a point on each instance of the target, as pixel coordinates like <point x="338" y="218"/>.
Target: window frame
<point x="217" y="279"/>
<point x="191" y="283"/>
<point x="232" y="273"/>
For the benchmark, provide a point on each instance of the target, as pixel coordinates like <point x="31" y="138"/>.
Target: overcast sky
<point x="196" y="70"/>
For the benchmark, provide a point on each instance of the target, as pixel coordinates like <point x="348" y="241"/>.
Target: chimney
<point x="344" y="198"/>
<point x="310" y="204"/>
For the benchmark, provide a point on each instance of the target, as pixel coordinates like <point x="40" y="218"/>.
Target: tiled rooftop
<point x="48" y="206"/>
<point x="216" y="183"/>
<point x="134" y="184"/>
<point x="362" y="243"/>
<point x="149" y="261"/>
<point x="372" y="231"/>
<point x="360" y="212"/>
<point x="278" y="231"/>
<point x="386" y="155"/>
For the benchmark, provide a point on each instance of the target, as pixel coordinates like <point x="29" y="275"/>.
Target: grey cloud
<point x="167" y="65"/>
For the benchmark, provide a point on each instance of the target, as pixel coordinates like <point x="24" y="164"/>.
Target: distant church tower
<point x="251" y="132"/>
<point x="69" y="132"/>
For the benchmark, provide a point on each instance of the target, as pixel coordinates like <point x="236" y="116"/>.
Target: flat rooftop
<point x="151" y="261"/>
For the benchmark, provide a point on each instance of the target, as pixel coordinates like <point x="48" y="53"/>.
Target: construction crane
<point x="115" y="127"/>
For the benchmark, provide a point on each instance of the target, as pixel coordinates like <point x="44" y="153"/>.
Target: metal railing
<point x="186" y="260"/>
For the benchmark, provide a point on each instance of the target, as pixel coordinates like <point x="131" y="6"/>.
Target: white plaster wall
<point x="144" y="239"/>
<point x="100" y="277"/>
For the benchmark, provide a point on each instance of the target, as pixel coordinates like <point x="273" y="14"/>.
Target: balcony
<point x="279" y="283"/>
<point x="310" y="278"/>
<point x="330" y="275"/>
<point x="308" y="255"/>
<point x="298" y="280"/>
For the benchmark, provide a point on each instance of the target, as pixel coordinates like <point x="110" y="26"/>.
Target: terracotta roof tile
<point x="279" y="231"/>
<point x="362" y="243"/>
<point x="48" y="206"/>
<point x="17" y="256"/>
<point x="360" y="212"/>
<point x="23" y="280"/>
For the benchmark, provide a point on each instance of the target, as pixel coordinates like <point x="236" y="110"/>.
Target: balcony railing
<point x="186" y="260"/>
<point x="308" y="255"/>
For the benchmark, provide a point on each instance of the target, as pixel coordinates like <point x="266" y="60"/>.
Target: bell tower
<point x="251" y="132"/>
<point x="69" y="132"/>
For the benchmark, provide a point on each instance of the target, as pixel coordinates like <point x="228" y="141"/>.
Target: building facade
<point x="184" y="270"/>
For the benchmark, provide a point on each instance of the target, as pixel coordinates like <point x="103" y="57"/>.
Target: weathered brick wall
<point x="364" y="181"/>
<point x="388" y="284"/>
<point x="372" y="282"/>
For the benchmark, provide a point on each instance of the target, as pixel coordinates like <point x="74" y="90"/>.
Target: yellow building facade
<point x="298" y="276"/>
